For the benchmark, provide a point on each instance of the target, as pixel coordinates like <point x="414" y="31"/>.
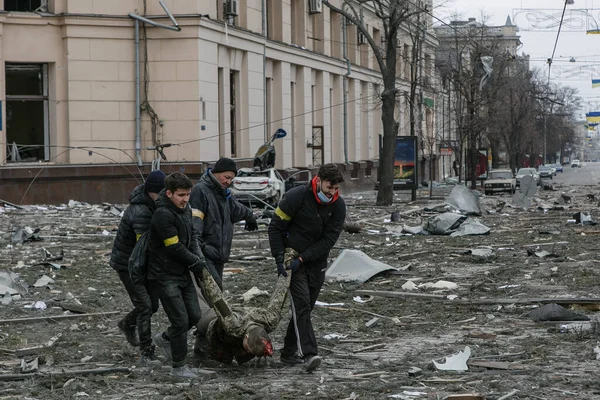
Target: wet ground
<point x="372" y="358"/>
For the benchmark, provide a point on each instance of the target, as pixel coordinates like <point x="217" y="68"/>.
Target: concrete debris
<point x="471" y="227"/>
<point x="597" y="352"/>
<point x="439" y="208"/>
<point x="43" y="281"/>
<point x="583" y="219"/>
<point x="354" y="265"/>
<point x="456" y="362"/>
<point x="252" y="293"/>
<point x="12" y="284"/>
<point x="464" y="200"/>
<point x="410" y="285"/>
<point x="38" y="305"/>
<point x="25" y="234"/>
<point x="439" y="285"/>
<point x="415" y="371"/>
<point x="481" y="252"/>
<point x="527" y="190"/>
<point x="444" y="224"/>
<point x="554" y="312"/>
<point x="334" y="336"/>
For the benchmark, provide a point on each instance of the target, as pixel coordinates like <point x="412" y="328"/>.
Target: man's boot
<point x="164" y="344"/>
<point x="130" y="333"/>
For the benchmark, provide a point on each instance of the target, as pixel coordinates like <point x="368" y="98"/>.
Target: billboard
<point x="405" y="163"/>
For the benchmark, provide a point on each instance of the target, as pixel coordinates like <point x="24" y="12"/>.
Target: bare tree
<point x="393" y="14"/>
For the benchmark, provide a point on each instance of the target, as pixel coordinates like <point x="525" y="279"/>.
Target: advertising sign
<point x="405" y="160"/>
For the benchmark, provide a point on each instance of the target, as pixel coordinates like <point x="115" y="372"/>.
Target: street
<point x="370" y="334"/>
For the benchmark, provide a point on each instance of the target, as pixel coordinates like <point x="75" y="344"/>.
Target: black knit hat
<point x="225" y="164"/>
<point x="155" y="182"/>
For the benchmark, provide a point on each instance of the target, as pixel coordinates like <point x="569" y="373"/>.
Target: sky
<point x="573" y="41"/>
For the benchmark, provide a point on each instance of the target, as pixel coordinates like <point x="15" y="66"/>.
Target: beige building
<point x="219" y="86"/>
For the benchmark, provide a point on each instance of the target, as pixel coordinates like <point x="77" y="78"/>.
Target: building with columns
<point x="216" y="79"/>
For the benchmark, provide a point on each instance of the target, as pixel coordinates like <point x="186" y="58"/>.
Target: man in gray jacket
<point x="214" y="211"/>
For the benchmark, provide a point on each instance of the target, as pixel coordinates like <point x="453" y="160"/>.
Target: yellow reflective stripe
<point x="138" y="236"/>
<point x="171" y="241"/>
<point x="197" y="213"/>
<point x="279" y="212"/>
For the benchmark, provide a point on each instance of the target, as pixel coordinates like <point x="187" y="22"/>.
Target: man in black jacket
<point x="309" y="220"/>
<point x="136" y="221"/>
<point x="173" y="253"/>
<point x="214" y="212"/>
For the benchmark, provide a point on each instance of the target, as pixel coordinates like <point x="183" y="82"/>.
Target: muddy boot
<point x="148" y="359"/>
<point x="130" y="333"/>
<point x="312" y="363"/>
<point x="292" y="360"/>
<point x="184" y="372"/>
<point x="164" y="344"/>
<point x="201" y="346"/>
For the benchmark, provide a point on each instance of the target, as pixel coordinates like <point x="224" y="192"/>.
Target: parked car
<point x="559" y="167"/>
<point x="500" y="180"/>
<point x="527" y="171"/>
<point x="263" y="183"/>
<point x="545" y="171"/>
<point x="576" y="164"/>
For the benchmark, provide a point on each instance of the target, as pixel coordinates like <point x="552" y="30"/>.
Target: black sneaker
<point x="312" y="363"/>
<point x="130" y="333"/>
<point x="292" y="360"/>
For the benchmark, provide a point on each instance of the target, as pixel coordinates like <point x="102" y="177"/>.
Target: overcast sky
<point x="573" y="41"/>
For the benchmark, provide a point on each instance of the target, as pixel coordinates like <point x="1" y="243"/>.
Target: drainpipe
<point x="264" y="32"/>
<point x="138" y="141"/>
<point x="345" y="86"/>
<point x="137" y="19"/>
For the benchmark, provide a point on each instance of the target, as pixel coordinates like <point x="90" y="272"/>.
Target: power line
<point x="556" y="41"/>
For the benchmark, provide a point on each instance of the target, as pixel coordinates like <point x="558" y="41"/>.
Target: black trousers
<point x="305" y="286"/>
<point x="180" y="303"/>
<point x="145" y="303"/>
<point x="216" y="267"/>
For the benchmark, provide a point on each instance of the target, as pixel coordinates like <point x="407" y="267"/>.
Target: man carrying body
<point x="136" y="221"/>
<point x="309" y="220"/>
<point x="214" y="212"/>
<point x="173" y="252"/>
<point x="240" y="335"/>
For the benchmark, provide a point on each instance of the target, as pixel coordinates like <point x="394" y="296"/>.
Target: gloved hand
<point x="196" y="267"/>
<point x="295" y="264"/>
<point x="281" y="270"/>
<point x="251" y="224"/>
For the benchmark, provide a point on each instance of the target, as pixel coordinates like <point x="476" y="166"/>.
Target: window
<point x="233" y="110"/>
<point x="27" y="112"/>
<point x="25" y="5"/>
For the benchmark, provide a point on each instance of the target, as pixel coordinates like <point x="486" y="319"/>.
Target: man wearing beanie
<point x="136" y="220"/>
<point x="214" y="211"/>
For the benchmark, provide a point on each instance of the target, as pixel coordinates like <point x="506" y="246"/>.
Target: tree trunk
<point x="385" y="195"/>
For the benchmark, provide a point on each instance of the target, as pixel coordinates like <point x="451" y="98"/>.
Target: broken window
<point x="25" y="5"/>
<point x="27" y="112"/>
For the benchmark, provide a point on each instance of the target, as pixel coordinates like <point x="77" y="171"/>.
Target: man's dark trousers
<point x="179" y="300"/>
<point x="145" y="303"/>
<point x="305" y="286"/>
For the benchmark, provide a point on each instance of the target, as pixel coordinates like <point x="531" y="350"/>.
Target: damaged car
<point x="500" y="180"/>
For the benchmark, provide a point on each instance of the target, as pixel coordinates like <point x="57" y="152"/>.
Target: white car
<point x="576" y="164"/>
<point x="251" y="186"/>
<point x="500" y="180"/>
<point x="527" y="171"/>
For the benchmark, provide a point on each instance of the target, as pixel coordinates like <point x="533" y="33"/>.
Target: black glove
<point x="251" y="224"/>
<point x="197" y="267"/>
<point x="295" y="264"/>
<point x="281" y="270"/>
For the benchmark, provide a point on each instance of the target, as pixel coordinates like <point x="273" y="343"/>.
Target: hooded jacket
<point x="303" y="223"/>
<point x="173" y="244"/>
<point x="135" y="221"/>
<point x="214" y="212"/>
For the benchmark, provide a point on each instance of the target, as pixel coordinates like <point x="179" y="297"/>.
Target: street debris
<point x="444" y="224"/>
<point x="25" y="234"/>
<point x="354" y="265"/>
<point x="45" y="280"/>
<point x="526" y="191"/>
<point x="583" y="219"/>
<point x="471" y="227"/>
<point x="464" y="200"/>
<point x="554" y="312"/>
<point x="455" y="362"/>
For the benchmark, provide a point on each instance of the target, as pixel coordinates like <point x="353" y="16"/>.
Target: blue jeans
<point x="180" y="303"/>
